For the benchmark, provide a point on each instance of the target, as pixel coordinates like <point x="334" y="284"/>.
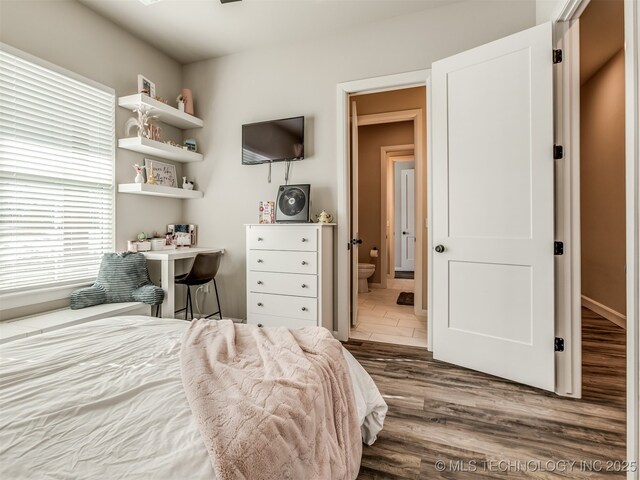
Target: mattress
<point x="105" y="400"/>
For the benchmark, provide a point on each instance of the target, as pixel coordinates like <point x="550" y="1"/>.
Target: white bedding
<point x="105" y="400"/>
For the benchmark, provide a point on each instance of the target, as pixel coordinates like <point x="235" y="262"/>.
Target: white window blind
<point x="56" y="175"/>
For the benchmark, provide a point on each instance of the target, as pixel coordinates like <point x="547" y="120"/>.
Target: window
<point x="56" y="174"/>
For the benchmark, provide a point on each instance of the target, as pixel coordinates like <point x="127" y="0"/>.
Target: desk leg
<point x="168" y="272"/>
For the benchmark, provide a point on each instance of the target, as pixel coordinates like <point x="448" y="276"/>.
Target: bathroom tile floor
<point x="380" y="319"/>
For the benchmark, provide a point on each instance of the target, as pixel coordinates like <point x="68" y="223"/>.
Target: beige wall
<point x="370" y="139"/>
<point x="602" y="185"/>
<point x="300" y="78"/>
<point x="69" y="35"/>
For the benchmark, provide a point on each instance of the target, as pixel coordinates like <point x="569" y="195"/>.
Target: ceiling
<point x="601" y="35"/>
<point x="192" y="30"/>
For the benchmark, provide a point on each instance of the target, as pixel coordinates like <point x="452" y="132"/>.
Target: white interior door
<point x="493" y="276"/>
<point x="354" y="213"/>
<point x="407" y="199"/>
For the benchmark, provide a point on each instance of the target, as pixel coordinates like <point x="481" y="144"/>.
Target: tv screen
<point x="273" y="141"/>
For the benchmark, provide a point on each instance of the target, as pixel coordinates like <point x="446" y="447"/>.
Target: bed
<point x="106" y="400"/>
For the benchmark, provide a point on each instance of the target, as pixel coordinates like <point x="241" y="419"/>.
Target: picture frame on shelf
<point x="164" y="173"/>
<point x="146" y="86"/>
<point x="183" y="234"/>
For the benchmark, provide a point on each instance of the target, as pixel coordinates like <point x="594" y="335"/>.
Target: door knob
<point x="356" y="241"/>
<point x="405" y="233"/>
<point x="439" y="248"/>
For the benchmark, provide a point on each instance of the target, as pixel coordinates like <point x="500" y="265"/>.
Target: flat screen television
<point x="273" y="141"/>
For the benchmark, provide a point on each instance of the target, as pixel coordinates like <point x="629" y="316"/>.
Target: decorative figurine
<point x="186" y="184"/>
<point x="139" y="173"/>
<point x="324" y="217"/>
<point x="151" y="177"/>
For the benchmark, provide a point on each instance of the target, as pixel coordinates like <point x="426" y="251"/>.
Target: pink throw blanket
<point x="271" y="403"/>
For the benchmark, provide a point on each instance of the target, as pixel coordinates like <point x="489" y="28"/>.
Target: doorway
<point x="602" y="200"/>
<point x="387" y="129"/>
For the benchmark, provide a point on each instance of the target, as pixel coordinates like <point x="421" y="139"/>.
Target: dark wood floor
<point x="484" y="427"/>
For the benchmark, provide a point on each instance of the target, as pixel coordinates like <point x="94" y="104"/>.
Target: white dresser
<point x="290" y="275"/>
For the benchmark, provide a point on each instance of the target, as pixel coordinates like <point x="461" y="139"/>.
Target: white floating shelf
<point x="159" y="149"/>
<point x="158" y="190"/>
<point x="165" y="113"/>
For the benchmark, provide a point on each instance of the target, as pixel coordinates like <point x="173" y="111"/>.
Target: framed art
<point x="164" y="173"/>
<point x="182" y="234"/>
<point x="146" y="86"/>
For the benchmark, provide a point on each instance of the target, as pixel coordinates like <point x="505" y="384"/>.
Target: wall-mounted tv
<point x="273" y="141"/>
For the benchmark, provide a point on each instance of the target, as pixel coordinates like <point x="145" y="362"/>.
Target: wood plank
<point x="442" y="412"/>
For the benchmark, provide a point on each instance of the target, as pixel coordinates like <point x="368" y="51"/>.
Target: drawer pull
<point x="260" y="325"/>
<point x="259" y="239"/>
<point x="304" y="309"/>
<point x="260" y="260"/>
<point x="260" y="304"/>
<point x="304" y="262"/>
<point x="260" y="282"/>
<point x="304" y="285"/>
<point x="304" y="240"/>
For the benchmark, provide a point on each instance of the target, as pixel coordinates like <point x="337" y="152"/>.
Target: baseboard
<point x="608" y="313"/>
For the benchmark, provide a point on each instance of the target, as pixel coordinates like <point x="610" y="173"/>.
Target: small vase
<point x="139" y="178"/>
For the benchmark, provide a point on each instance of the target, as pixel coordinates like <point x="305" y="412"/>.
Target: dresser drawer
<point x="302" y="308"/>
<point x="273" y="321"/>
<point x="283" y="238"/>
<point x="283" y="283"/>
<point x="283" y="262"/>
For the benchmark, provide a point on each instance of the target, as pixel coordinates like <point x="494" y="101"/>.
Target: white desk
<point x="167" y="267"/>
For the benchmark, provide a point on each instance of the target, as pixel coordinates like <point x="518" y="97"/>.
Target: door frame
<point x="398" y="81"/>
<point x="388" y="160"/>
<point x="567" y="132"/>
<point x="388" y="154"/>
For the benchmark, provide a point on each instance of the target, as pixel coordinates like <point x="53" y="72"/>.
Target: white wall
<point x="300" y="79"/>
<point x="70" y="35"/>
<point x="546" y="10"/>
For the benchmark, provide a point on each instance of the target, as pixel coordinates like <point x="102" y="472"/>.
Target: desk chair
<point x="204" y="269"/>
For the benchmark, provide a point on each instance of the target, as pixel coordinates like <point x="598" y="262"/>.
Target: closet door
<point x="493" y="192"/>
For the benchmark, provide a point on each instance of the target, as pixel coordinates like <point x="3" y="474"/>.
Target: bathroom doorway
<point x="387" y="190"/>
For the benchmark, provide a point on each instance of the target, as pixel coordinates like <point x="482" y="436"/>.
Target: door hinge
<point x="557" y="56"/>
<point x="558" y="344"/>
<point x="558" y="248"/>
<point x="558" y="152"/>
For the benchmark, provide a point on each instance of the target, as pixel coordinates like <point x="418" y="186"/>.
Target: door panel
<point x="407" y="209"/>
<point x="493" y="290"/>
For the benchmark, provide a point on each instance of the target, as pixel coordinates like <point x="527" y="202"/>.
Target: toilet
<point x="365" y="270"/>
